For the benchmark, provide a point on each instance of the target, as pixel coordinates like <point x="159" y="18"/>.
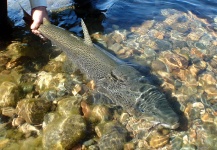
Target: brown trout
<point x="120" y="82"/>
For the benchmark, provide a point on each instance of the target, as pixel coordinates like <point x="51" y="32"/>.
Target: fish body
<point x="121" y="83"/>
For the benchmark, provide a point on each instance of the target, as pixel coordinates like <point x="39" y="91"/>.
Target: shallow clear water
<point x="133" y="12"/>
<point x="126" y="12"/>
<point x="176" y="39"/>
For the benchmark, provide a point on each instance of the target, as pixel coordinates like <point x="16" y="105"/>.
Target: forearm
<point x="37" y="3"/>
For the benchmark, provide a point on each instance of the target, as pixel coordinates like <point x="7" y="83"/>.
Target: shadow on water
<point x="128" y="13"/>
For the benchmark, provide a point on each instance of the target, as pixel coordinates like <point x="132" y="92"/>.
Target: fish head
<point x="154" y="105"/>
<point x="165" y="118"/>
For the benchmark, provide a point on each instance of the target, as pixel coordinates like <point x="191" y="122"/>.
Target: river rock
<point x="112" y="136"/>
<point x="9" y="94"/>
<point x="64" y="132"/>
<point x="33" y="110"/>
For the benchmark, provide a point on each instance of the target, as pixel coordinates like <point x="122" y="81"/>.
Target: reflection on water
<point x="127" y="13"/>
<point x="176" y="39"/>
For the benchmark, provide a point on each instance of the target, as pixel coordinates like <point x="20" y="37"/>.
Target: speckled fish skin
<point x="123" y="84"/>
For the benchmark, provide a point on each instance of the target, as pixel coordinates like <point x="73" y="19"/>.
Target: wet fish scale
<point x="121" y="83"/>
<point x="75" y="48"/>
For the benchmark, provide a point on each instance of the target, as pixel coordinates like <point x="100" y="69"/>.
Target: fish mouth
<point x="174" y="126"/>
<point x="169" y="120"/>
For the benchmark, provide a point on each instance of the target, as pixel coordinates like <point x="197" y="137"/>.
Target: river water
<point x="176" y="40"/>
<point x="125" y="12"/>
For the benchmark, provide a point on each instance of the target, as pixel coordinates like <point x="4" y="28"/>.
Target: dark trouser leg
<point x="5" y="28"/>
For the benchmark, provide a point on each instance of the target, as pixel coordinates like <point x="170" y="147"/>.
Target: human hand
<point x="38" y="13"/>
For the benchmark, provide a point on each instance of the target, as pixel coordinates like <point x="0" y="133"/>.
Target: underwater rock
<point x="174" y="61"/>
<point x="4" y="142"/>
<point x="101" y="113"/>
<point x="17" y="49"/>
<point x="53" y="85"/>
<point x="3" y="61"/>
<point x="181" y="27"/>
<point x="8" y="111"/>
<point x="197" y="67"/>
<point x="207" y="78"/>
<point x="157" y="140"/>
<point x="163" y="45"/>
<point x="28" y="129"/>
<point x="196" y="35"/>
<point x="9" y="94"/>
<point x="112" y="135"/>
<point x="213" y="62"/>
<point x="33" y="110"/>
<point x="118" y="36"/>
<point x="53" y="66"/>
<point x="97" y="113"/>
<point x="176" y="35"/>
<point x="144" y="28"/>
<point x="16" y="122"/>
<point x="64" y="128"/>
<point x="56" y="65"/>
<point x="171" y="19"/>
<point x="64" y="132"/>
<point x="158" y="65"/>
<point x="68" y="106"/>
<point x="129" y="146"/>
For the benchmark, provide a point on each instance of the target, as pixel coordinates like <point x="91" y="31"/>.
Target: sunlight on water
<point x="173" y="43"/>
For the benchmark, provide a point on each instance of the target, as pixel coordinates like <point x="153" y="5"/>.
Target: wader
<point x="5" y="27"/>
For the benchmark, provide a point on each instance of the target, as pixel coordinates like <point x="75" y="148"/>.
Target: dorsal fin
<point x="87" y="39"/>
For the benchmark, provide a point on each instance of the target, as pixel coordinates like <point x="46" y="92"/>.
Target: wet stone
<point x="158" y="65"/>
<point x="144" y="27"/>
<point x="3" y="61"/>
<point x="163" y="45"/>
<point x="113" y="136"/>
<point x="175" y="61"/>
<point x="8" y="111"/>
<point x="207" y="79"/>
<point x="157" y="141"/>
<point x="206" y="40"/>
<point x="64" y="132"/>
<point x="131" y="43"/>
<point x="51" y="84"/>
<point x="68" y="106"/>
<point x="33" y="110"/>
<point x="213" y="62"/>
<point x="200" y="46"/>
<point x="196" y="35"/>
<point x="210" y="52"/>
<point x="175" y="35"/>
<point x="18" y="122"/>
<point x="179" y="44"/>
<point x="100" y="113"/>
<point x="129" y="146"/>
<point x="171" y="19"/>
<point x="9" y="94"/>
<point x="180" y="27"/>
<point x="115" y="47"/>
<point x="119" y="36"/>
<point x="149" y="53"/>
<point x="190" y="44"/>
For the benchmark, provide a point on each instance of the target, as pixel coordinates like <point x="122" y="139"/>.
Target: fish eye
<point x="142" y="110"/>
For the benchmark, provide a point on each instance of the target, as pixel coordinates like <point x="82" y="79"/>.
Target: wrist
<point x="42" y="8"/>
